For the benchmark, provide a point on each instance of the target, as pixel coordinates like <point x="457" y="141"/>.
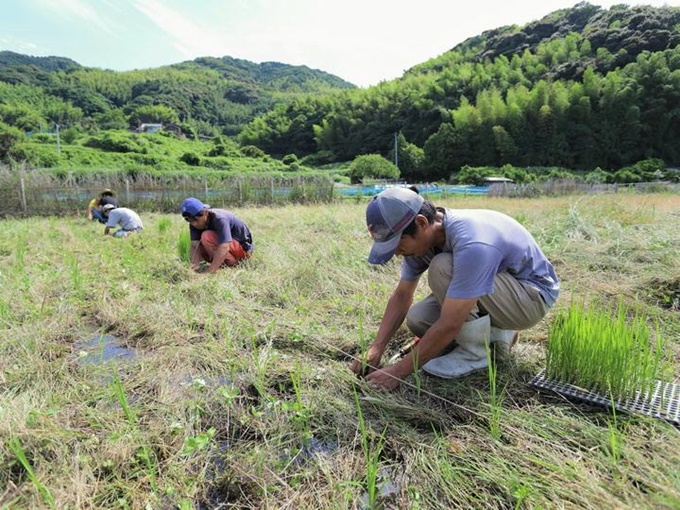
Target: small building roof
<point x="492" y="180"/>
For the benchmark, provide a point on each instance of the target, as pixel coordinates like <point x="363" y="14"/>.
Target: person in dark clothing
<point x="217" y="236"/>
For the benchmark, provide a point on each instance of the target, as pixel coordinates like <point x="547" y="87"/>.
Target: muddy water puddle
<point x="101" y="349"/>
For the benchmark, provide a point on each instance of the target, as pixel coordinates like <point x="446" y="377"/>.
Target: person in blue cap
<point x="488" y="279"/>
<point x="217" y="236"/>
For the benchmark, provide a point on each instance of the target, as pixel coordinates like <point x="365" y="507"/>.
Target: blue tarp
<point x="424" y="189"/>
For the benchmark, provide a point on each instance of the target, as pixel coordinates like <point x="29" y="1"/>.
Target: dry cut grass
<point x="237" y="392"/>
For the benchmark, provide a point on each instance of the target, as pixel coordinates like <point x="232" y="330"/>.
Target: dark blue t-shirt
<point x="227" y="227"/>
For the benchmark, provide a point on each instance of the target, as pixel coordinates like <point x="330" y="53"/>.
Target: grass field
<point x="232" y="390"/>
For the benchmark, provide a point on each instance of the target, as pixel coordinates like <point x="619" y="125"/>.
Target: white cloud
<point x="189" y="38"/>
<point x="19" y="45"/>
<point x="81" y="9"/>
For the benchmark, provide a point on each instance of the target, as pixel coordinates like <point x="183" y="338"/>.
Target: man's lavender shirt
<point x="485" y="243"/>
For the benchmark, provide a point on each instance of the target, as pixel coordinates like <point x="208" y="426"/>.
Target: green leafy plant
<point x="198" y="442"/>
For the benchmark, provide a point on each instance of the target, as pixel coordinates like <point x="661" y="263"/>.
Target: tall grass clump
<point x="602" y="349"/>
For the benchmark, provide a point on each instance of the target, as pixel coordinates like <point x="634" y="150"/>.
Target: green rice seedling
<point x="363" y="342"/>
<point x="599" y="348"/>
<point x="614" y="433"/>
<point x="301" y="412"/>
<point x="416" y="372"/>
<point x="144" y="453"/>
<point x="164" y="224"/>
<point x="119" y="391"/>
<point x="372" y="451"/>
<point x="76" y="276"/>
<point x="18" y="450"/>
<point x="495" y="400"/>
<point x="184" y="246"/>
<point x="20" y="253"/>
<point x="261" y="366"/>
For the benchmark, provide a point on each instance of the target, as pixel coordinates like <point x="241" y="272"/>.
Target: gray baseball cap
<point x="387" y="215"/>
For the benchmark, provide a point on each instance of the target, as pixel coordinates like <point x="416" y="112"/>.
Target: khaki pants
<point x="512" y="305"/>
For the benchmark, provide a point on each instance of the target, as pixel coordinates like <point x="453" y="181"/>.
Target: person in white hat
<point x="487" y="275"/>
<point x="127" y="219"/>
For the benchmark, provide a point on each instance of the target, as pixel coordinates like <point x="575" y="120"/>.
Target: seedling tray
<point x="663" y="404"/>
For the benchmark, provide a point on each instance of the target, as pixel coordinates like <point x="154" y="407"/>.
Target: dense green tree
<point x="441" y="152"/>
<point x="153" y="114"/>
<point x="23" y="117"/>
<point x="113" y="119"/>
<point x="410" y="160"/>
<point x="372" y="166"/>
<point x="9" y="137"/>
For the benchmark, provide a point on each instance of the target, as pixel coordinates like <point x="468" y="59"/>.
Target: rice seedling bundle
<point x="609" y="351"/>
<point x="184" y="246"/>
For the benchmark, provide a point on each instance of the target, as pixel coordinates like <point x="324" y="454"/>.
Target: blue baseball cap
<point x="387" y="215"/>
<point x="193" y="207"/>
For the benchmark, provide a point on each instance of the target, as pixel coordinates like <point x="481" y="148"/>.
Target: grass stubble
<point x="239" y="394"/>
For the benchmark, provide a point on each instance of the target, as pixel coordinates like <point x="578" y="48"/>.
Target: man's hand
<point x="365" y="366"/>
<point x="383" y="379"/>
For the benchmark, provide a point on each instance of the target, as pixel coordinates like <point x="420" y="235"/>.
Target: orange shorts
<point x="209" y="240"/>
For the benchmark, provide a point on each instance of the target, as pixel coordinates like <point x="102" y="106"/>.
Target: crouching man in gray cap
<point x="488" y="278"/>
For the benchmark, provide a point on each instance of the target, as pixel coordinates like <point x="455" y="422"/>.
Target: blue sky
<point x="361" y="41"/>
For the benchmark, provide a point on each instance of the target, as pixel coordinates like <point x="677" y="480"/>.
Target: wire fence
<point x="30" y="195"/>
<point x="36" y="193"/>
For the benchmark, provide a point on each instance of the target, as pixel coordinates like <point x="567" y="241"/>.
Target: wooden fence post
<point x="127" y="192"/>
<point x="205" y="187"/>
<point x="22" y="193"/>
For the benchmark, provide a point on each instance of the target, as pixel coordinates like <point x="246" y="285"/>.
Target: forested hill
<point x="207" y="96"/>
<point x="622" y="32"/>
<point x="10" y="59"/>
<point x="581" y="88"/>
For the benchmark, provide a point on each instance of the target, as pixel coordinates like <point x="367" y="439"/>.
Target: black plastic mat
<point x="663" y="403"/>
